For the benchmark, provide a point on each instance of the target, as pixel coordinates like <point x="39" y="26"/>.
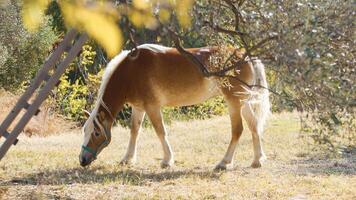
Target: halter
<point x="107" y="136"/>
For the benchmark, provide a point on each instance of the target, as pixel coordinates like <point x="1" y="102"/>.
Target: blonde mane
<point x="109" y="70"/>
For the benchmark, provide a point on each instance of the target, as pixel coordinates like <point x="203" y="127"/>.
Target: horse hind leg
<point x="155" y="115"/>
<point x="236" y="131"/>
<point x="136" y="124"/>
<point x="256" y="127"/>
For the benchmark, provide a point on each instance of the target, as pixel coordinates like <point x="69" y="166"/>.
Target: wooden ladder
<point x="72" y="44"/>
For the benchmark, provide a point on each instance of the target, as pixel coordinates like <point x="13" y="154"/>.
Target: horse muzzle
<point x="86" y="158"/>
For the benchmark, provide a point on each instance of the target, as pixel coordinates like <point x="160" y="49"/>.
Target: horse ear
<point x="86" y="113"/>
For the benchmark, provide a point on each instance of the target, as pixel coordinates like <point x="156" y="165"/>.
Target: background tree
<point x="21" y="53"/>
<point x="308" y="49"/>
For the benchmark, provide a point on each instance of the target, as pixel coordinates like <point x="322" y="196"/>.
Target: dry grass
<point x="45" y="123"/>
<point x="48" y="168"/>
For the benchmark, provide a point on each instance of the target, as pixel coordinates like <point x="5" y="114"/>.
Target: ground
<point x="48" y="167"/>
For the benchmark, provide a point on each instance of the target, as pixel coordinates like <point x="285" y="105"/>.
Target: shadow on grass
<point x="320" y="165"/>
<point x="102" y="175"/>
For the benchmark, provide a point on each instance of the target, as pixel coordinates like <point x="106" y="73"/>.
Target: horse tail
<point x="257" y="107"/>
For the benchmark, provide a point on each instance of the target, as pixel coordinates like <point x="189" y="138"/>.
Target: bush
<point x="22" y="53"/>
<point x="78" y="86"/>
<point x="207" y="109"/>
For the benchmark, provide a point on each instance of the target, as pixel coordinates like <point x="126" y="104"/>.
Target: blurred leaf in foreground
<point x="183" y="7"/>
<point x="99" y="24"/>
<point x="32" y="13"/>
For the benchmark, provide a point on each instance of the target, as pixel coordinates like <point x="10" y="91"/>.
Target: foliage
<point x="22" y="53"/>
<point x="207" y="109"/>
<point x="76" y="93"/>
<point x="56" y="19"/>
<point x="32" y="13"/>
<point x="71" y="98"/>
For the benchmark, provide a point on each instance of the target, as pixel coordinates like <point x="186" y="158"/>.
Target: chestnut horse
<point x="160" y="76"/>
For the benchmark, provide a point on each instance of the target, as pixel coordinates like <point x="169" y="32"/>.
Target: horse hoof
<point x="220" y="167"/>
<point x="165" y="165"/>
<point x="256" y="164"/>
<point x="125" y="162"/>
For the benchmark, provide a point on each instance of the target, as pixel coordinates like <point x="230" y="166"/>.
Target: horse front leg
<point x="136" y="124"/>
<point x="155" y="115"/>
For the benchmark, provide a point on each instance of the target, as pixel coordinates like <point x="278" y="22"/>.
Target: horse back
<point x="167" y="79"/>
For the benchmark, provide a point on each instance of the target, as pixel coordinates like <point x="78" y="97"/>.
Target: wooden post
<point x="42" y="75"/>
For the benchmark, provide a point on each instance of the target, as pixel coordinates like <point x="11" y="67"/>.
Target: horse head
<point x="97" y="133"/>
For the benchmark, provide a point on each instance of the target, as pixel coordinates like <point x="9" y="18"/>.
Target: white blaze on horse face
<point x="88" y="129"/>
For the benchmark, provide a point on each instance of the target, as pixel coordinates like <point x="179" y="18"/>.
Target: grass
<point x="48" y="167"/>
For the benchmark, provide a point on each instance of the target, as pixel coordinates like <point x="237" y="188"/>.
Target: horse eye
<point x="96" y="134"/>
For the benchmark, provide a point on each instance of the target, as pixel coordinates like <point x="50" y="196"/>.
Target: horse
<point x="161" y="76"/>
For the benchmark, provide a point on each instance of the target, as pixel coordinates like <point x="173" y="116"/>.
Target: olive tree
<point x="308" y="48"/>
